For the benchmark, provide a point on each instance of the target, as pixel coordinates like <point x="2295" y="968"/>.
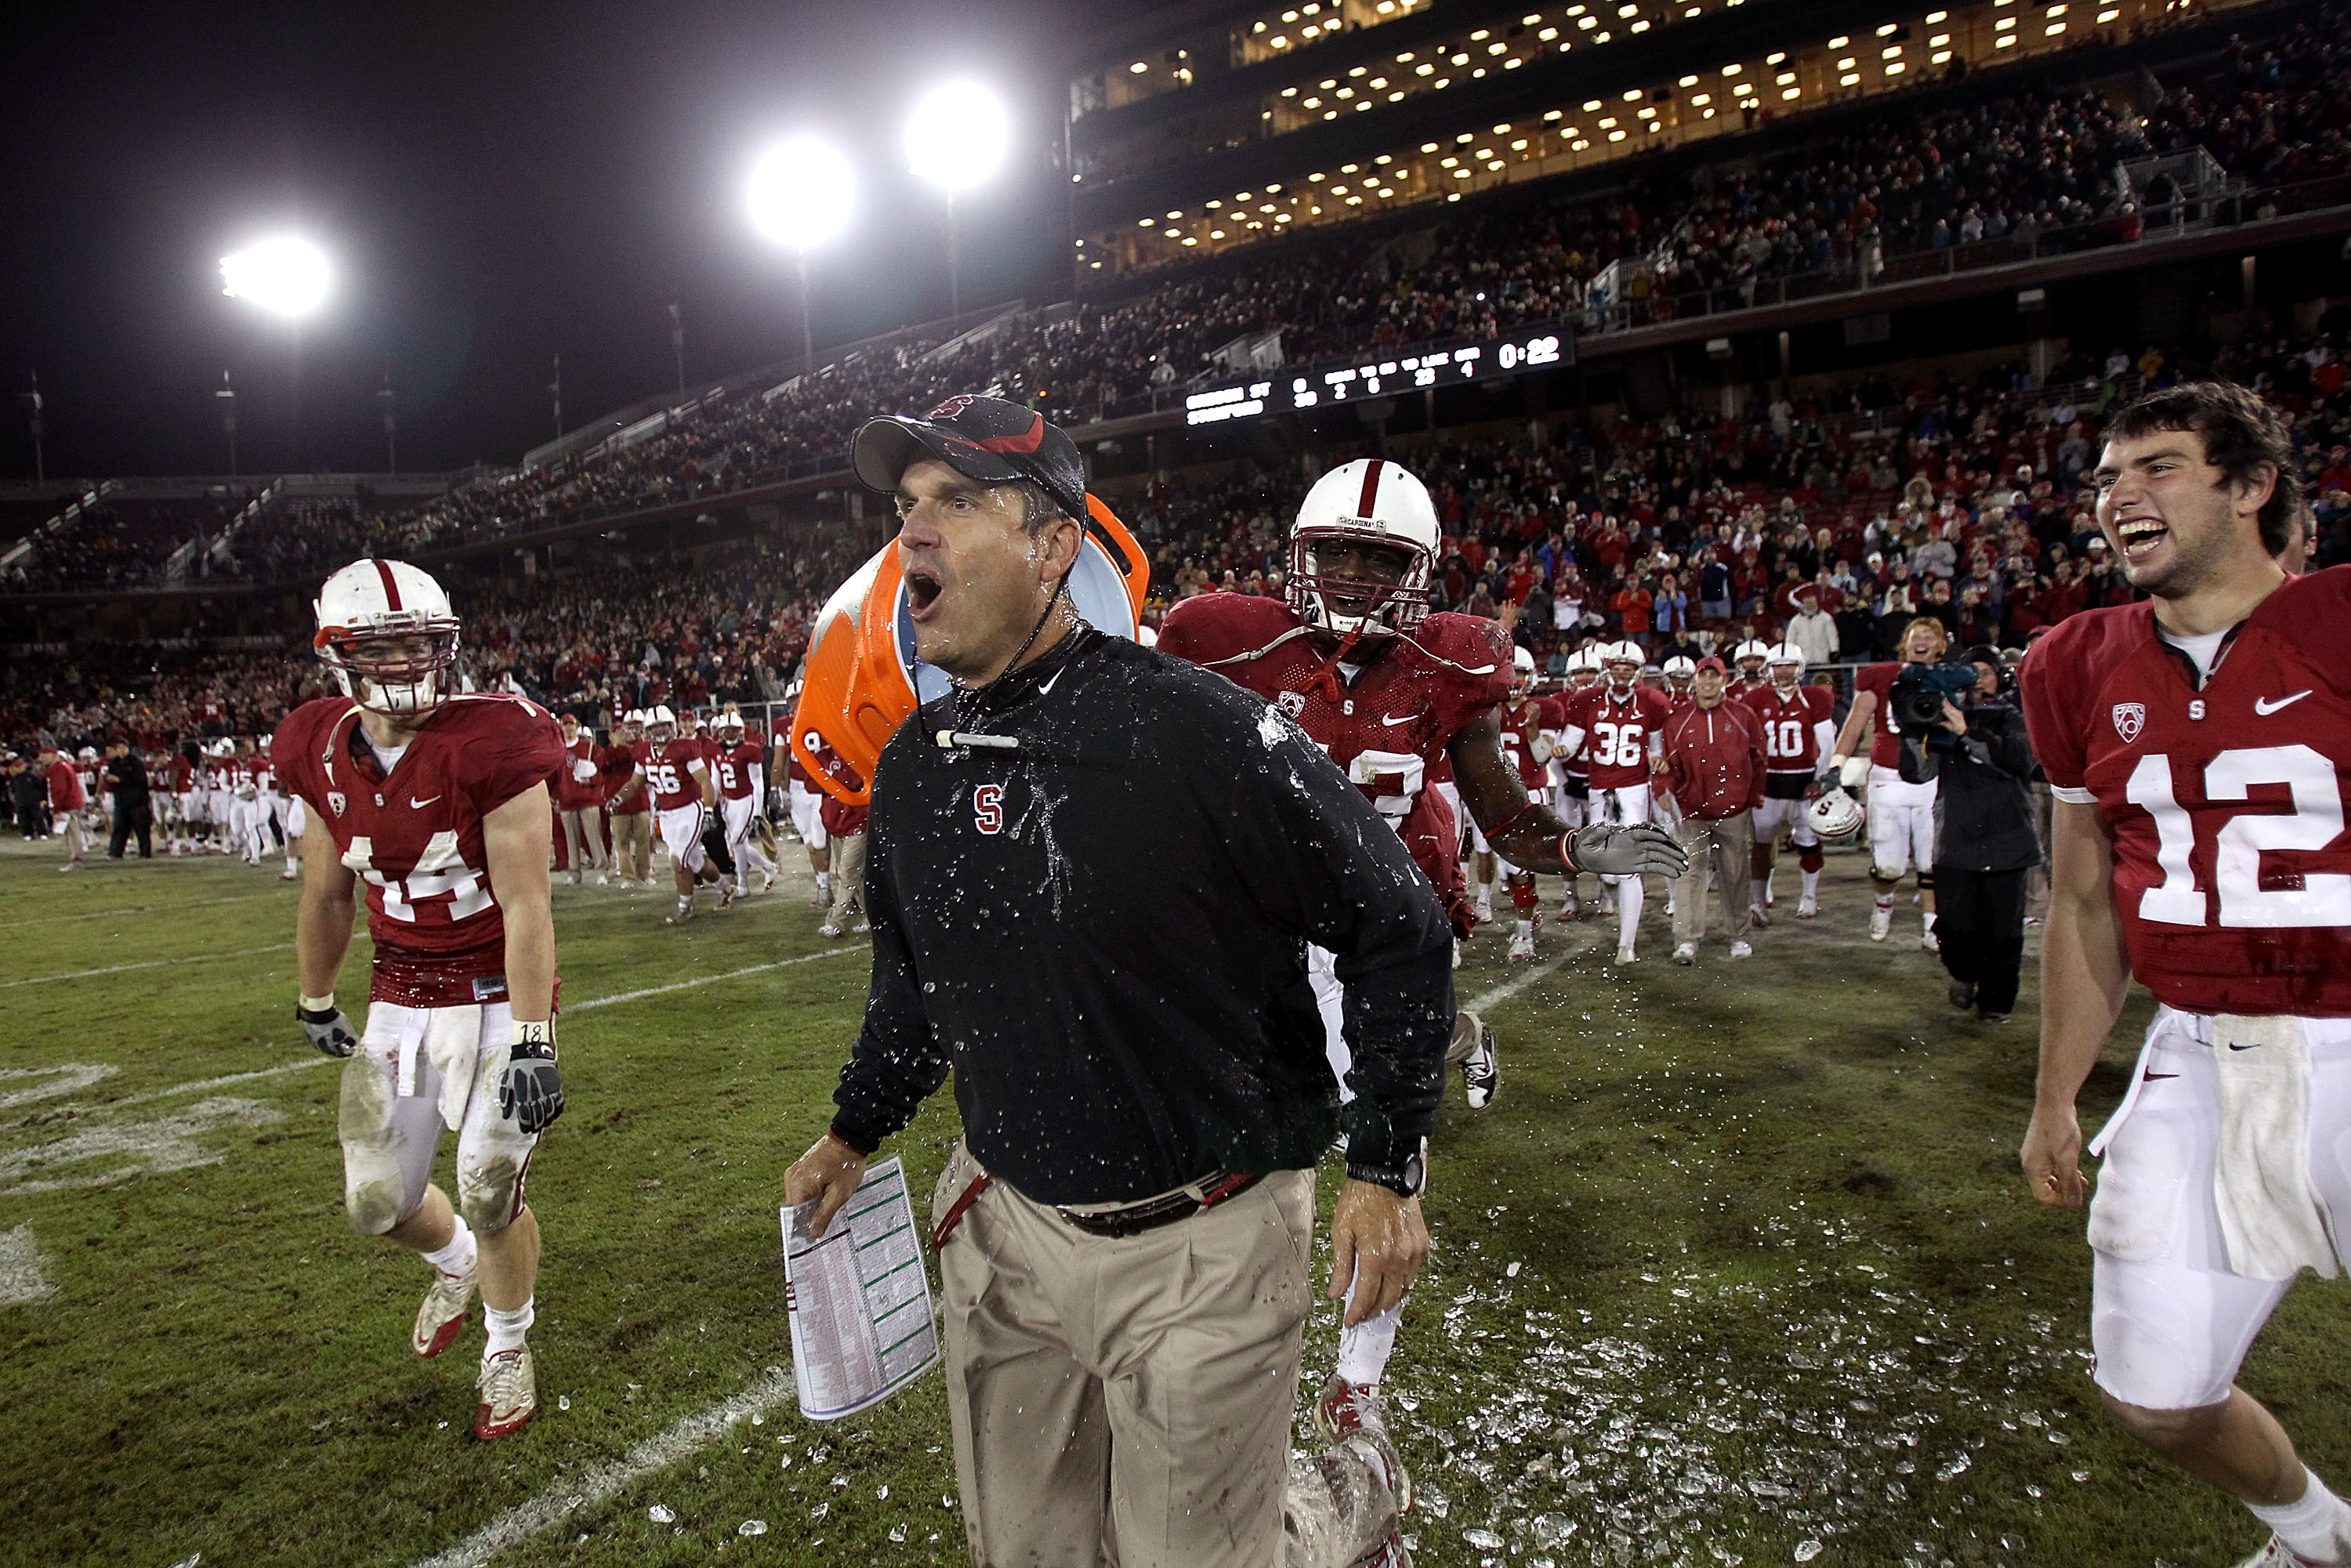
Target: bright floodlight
<point x="285" y="276"/>
<point x="957" y="135"/>
<point x="800" y="193"/>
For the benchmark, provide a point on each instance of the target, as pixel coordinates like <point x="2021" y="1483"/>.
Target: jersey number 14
<point x="440" y="873"/>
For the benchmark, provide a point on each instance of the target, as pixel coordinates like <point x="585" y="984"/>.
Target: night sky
<point x="497" y="183"/>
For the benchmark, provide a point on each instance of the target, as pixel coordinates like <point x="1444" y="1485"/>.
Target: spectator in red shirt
<point x="1631" y="604"/>
<point x="1714" y="763"/>
<point x="67" y="802"/>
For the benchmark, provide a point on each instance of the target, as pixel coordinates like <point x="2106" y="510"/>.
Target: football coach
<point x="1093" y="873"/>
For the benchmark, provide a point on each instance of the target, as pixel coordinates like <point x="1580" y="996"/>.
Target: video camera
<point x="1917" y="705"/>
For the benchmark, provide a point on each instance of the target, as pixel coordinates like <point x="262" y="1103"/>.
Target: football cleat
<point x="1758" y="915"/>
<point x="1481" y="1073"/>
<point x="509" y="1393"/>
<point x="1963" y="994"/>
<point x="1808" y="907"/>
<point x="2278" y="1554"/>
<point x="1686" y="954"/>
<point x="725" y="893"/>
<point x="1486" y="910"/>
<point x="1928" y="941"/>
<point x="1569" y="908"/>
<point x="1457" y="952"/>
<point x="1741" y="950"/>
<point x="1353" y="1413"/>
<point x="1624" y="955"/>
<point x="829" y="928"/>
<point x="1993" y="1018"/>
<point x="1607" y="902"/>
<point x="1390" y="1553"/>
<point x="575" y="877"/>
<point x="442" y="1318"/>
<point x="1522" y="947"/>
<point x="282" y="876"/>
<point x="1881" y="920"/>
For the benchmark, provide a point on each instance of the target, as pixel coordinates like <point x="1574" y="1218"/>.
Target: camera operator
<point x="1985" y="843"/>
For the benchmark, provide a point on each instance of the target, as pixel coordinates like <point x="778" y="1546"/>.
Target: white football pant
<point x="1901" y="825"/>
<point x="1624" y="805"/>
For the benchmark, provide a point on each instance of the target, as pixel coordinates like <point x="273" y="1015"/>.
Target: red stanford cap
<point x="989" y="439"/>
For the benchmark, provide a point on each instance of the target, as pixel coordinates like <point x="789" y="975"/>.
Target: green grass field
<point x="1738" y="1269"/>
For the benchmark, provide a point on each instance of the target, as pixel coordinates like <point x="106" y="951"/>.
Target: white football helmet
<point x="729" y="722"/>
<point x="1786" y="663"/>
<point x="1833" y="815"/>
<point x="661" y="724"/>
<point x="1523" y="672"/>
<point x="1680" y="671"/>
<point x="1749" y="657"/>
<point x="1623" y="662"/>
<point x="1583" y="668"/>
<point x="1369" y="502"/>
<point x="387" y="630"/>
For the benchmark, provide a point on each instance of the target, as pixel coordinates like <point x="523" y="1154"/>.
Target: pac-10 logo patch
<point x="1291" y="703"/>
<point x="988" y="808"/>
<point x="2129" y="719"/>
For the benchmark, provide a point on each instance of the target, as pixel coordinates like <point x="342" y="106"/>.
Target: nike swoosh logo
<point x="420" y="805"/>
<point x="1048" y="685"/>
<point x="2263" y="706"/>
<point x="1405" y="719"/>
<point x="2151" y="1077"/>
<point x="2254" y="1047"/>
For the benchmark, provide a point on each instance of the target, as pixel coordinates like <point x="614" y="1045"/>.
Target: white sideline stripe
<point x="1511" y="987"/>
<point x="138" y="909"/>
<point x="710" y="979"/>
<point x="574" y="1007"/>
<point x="149" y="964"/>
<point x="601" y="1483"/>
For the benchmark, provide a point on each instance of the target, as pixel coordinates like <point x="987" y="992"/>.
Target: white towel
<point x="2271" y="1217"/>
<point x="451" y="1040"/>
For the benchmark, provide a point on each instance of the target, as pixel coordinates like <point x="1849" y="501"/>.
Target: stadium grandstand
<point x="1712" y="327"/>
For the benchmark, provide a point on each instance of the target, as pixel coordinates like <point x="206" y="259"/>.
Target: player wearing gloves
<point x="740" y="768"/>
<point x="1623" y="722"/>
<point x="438" y="803"/>
<point x="1799" y="730"/>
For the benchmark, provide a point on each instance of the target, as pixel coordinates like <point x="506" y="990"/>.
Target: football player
<point x="1571" y="765"/>
<point x="1799" y="732"/>
<point x="626" y="802"/>
<point x="1749" y="666"/>
<point x="805" y="802"/>
<point x="438" y="803"/>
<point x="2197" y="744"/>
<point x="1525" y="721"/>
<point x="1681" y="674"/>
<point x="1901" y="814"/>
<point x="678" y="778"/>
<point x="1352" y="655"/>
<point x="1623" y="722"/>
<point x="740" y="767"/>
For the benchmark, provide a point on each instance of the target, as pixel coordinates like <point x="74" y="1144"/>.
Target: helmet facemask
<point x="400" y="673"/>
<point x="1362" y="606"/>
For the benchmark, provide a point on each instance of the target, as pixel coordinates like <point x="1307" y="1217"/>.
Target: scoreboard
<point x="1288" y="391"/>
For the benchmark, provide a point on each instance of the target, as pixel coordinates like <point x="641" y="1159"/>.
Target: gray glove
<point x="330" y="1031"/>
<point x="1633" y="849"/>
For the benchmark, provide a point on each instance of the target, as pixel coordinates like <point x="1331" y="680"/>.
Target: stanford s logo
<point x="2129" y="719"/>
<point x="988" y="808"/>
<point x="948" y="410"/>
<point x="1292" y="704"/>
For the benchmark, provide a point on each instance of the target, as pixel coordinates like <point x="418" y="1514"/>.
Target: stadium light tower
<point x="799" y="196"/>
<point x="956" y="138"/>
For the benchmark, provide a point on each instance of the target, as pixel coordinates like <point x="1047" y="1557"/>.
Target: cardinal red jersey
<point x="1739" y="691"/>
<point x="1522" y="724"/>
<point x="414" y="836"/>
<point x="621" y="763"/>
<point x="1617" y="728"/>
<point x="1792" y="740"/>
<point x="733" y="764"/>
<point x="1383" y="728"/>
<point x="2231" y="867"/>
<point x="670" y="773"/>
<point x="183" y="774"/>
<point x="1886" y="750"/>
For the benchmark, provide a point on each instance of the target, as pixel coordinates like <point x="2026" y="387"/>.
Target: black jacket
<point x="1104" y="934"/>
<point x="1983" y="803"/>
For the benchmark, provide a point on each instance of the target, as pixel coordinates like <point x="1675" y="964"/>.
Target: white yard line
<point x="1511" y="987"/>
<point x="149" y="964"/>
<point x="601" y="1483"/>
<point x="138" y="909"/>
<point x="306" y="1063"/>
<point x="710" y="980"/>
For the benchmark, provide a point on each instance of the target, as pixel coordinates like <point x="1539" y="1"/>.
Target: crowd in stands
<point x="2028" y="165"/>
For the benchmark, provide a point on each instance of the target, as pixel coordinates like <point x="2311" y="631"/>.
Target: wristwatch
<point x="1405" y="1180"/>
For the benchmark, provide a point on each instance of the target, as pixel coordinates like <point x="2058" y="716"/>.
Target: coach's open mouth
<point x="922" y="592"/>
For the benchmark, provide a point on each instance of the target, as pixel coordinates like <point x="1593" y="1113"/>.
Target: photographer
<point x="1984" y="841"/>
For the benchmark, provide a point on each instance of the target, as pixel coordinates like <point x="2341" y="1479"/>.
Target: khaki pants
<point x="583" y="825"/>
<point x="1732" y="841"/>
<point x="1128" y="1400"/>
<point x="632" y="845"/>
<point x="848" y="879"/>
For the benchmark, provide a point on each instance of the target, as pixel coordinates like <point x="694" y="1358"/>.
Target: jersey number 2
<point x="2316" y="821"/>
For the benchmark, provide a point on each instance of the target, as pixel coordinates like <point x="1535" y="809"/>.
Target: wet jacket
<point x="1102" y="931"/>
<point x="1716" y="759"/>
<point x="1983" y="795"/>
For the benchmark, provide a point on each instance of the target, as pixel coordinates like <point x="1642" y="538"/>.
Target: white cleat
<point x="1928" y="941"/>
<point x="604" y="880"/>
<point x="1485" y="912"/>
<point x="509" y="1393"/>
<point x="1686" y="954"/>
<point x="442" y="1318"/>
<point x="1808" y="907"/>
<point x="575" y="879"/>
<point x="2278" y="1554"/>
<point x="1624" y="955"/>
<point x="1481" y="1074"/>
<point x="1741" y="950"/>
<point x="1881" y="920"/>
<point x="1522" y="947"/>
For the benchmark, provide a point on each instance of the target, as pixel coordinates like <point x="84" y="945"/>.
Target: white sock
<point x="293" y="865"/>
<point x="1527" y="929"/>
<point x="1885" y="901"/>
<point x="825" y="884"/>
<point x="1630" y="892"/>
<point x="1812" y="885"/>
<point x="1363" y="1350"/>
<point x="2314" y="1524"/>
<point x="1926" y="921"/>
<point x="457" y="1256"/>
<point x="506" y="1328"/>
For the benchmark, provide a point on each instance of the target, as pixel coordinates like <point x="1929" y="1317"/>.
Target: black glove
<point x="1632" y="849"/>
<point x="329" y="1030"/>
<point x="530" y="1088"/>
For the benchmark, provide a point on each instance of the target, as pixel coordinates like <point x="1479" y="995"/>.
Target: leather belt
<point x="1152" y="1213"/>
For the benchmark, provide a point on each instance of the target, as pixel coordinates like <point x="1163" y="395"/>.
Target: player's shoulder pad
<point x="1218" y="625"/>
<point x="1470" y="641"/>
<point x="2310" y="612"/>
